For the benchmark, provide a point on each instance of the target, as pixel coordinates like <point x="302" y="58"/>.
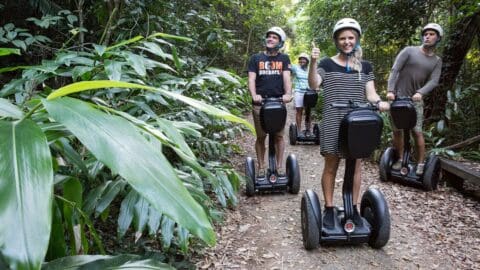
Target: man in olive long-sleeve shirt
<point x="414" y="74"/>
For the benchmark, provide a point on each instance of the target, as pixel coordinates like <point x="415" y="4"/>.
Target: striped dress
<point x="338" y="85"/>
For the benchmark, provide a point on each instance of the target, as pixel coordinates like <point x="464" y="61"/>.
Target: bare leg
<point x="298" y="119"/>
<point x="308" y="122"/>
<point x="279" y="149"/>
<point x="260" y="149"/>
<point x="420" y="143"/>
<point x="357" y="181"/>
<point x="328" y="178"/>
<point x="398" y="142"/>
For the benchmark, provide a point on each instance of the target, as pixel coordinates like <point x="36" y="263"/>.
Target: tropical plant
<point x="112" y="142"/>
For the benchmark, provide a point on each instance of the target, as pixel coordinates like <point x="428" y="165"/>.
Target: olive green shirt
<point x="414" y="72"/>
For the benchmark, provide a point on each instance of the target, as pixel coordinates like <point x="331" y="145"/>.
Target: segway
<point x="273" y="114"/>
<point x="360" y="132"/>
<point x="309" y="101"/>
<point x="404" y="117"/>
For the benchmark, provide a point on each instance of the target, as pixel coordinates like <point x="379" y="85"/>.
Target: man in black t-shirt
<point x="269" y="76"/>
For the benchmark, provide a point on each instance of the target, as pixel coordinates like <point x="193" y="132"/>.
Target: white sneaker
<point x="397" y="165"/>
<point x="420" y="168"/>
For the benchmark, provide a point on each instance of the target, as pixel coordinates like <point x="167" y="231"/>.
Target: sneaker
<point x="329" y="217"/>
<point x="357" y="219"/>
<point x="397" y="165"/>
<point x="420" y="168"/>
<point x="280" y="172"/>
<point x="261" y="173"/>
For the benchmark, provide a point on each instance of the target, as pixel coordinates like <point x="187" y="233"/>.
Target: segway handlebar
<point x="354" y="105"/>
<point x="269" y="99"/>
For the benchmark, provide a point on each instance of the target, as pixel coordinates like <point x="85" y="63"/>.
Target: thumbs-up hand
<point x="315" y="52"/>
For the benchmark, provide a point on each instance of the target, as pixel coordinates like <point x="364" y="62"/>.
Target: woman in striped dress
<point x="343" y="77"/>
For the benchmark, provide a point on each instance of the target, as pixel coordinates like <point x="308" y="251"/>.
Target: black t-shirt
<point x="269" y="70"/>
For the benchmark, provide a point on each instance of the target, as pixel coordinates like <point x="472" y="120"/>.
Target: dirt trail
<point x="430" y="230"/>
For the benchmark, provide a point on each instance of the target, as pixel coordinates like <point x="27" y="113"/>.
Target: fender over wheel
<point x="311" y="215"/>
<point x="374" y="209"/>
<point x="250" y="177"/>
<point x="385" y="165"/>
<point x="293" y="174"/>
<point x="432" y="173"/>
<point x="292" y="134"/>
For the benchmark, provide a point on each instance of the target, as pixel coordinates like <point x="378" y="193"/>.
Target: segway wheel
<point x="374" y="209"/>
<point x="293" y="174"/>
<point x="292" y="134"/>
<point x="432" y="173"/>
<point x="311" y="220"/>
<point x="250" y="177"/>
<point x="386" y="163"/>
<point x="316" y="132"/>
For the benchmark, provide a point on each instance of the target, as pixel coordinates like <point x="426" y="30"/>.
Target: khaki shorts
<point x="419" y="125"/>
<point x="258" y="125"/>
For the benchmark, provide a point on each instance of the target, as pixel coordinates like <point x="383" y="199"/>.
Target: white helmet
<point x="435" y="27"/>
<point x="279" y="32"/>
<point x="304" y="55"/>
<point x="347" y="23"/>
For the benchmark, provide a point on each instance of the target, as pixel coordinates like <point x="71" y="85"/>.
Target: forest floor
<point x="429" y="230"/>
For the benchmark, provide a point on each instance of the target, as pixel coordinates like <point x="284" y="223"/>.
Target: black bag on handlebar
<point x="403" y="113"/>
<point x="310" y="99"/>
<point x="273" y="115"/>
<point x="360" y="132"/>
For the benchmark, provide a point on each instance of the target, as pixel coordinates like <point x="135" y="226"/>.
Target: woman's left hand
<point x="383" y="106"/>
<point x="287" y="98"/>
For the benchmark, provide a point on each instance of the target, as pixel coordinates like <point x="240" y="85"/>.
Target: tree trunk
<point x="459" y="43"/>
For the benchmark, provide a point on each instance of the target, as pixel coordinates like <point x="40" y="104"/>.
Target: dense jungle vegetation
<point x="118" y="117"/>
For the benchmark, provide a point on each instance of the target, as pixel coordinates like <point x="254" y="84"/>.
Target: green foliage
<point x="126" y="131"/>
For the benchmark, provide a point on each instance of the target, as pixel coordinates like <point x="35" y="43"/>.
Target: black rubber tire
<point x="385" y="164"/>
<point x="310" y="227"/>
<point x="431" y="173"/>
<point x="250" y="177"/>
<point x="292" y="134"/>
<point x="293" y="174"/>
<point x="374" y="209"/>
<point x="316" y="132"/>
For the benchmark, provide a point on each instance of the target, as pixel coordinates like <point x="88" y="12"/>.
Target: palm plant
<point x="67" y="158"/>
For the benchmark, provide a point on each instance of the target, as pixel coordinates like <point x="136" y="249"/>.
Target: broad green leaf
<point x="137" y="62"/>
<point x="120" y="145"/>
<point x="163" y="35"/>
<point x="93" y="197"/>
<point x="126" y="261"/>
<point x="125" y="42"/>
<point x="167" y="228"/>
<point x="113" y="70"/>
<point x="72" y="191"/>
<point x="109" y="195"/>
<point x="26" y="190"/>
<point x="126" y="212"/>
<point x="57" y="247"/>
<point x="8" y="51"/>
<point x="176" y="59"/>
<point x="7" y="109"/>
<point x="140" y="217"/>
<point x="91" y="85"/>
<point x="154" y="218"/>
